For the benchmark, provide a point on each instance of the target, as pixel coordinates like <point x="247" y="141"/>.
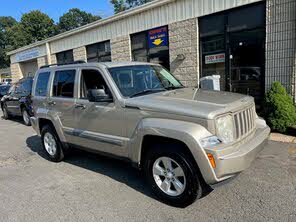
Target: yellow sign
<point x="157" y="41"/>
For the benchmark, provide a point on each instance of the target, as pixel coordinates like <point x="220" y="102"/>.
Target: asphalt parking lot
<point x="88" y="187"/>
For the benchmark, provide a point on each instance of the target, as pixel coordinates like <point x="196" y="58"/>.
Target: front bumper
<point x="35" y="125"/>
<point x="233" y="159"/>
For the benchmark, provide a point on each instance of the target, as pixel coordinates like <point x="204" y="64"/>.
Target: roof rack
<point x="63" y="64"/>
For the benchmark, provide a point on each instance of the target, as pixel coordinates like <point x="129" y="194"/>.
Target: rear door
<point x="12" y="101"/>
<point x="61" y="102"/>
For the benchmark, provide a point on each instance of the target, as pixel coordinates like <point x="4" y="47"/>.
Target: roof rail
<point x="63" y="64"/>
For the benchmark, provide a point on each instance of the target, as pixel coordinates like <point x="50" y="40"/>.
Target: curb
<point x="278" y="137"/>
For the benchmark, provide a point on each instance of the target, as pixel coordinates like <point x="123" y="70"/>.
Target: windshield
<point x="137" y="80"/>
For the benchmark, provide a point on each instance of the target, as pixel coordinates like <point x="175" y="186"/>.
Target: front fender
<point x="186" y="132"/>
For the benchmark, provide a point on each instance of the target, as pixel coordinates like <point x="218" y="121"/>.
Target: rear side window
<point x="42" y="83"/>
<point x="63" y="85"/>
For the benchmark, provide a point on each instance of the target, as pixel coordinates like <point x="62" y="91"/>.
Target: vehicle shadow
<point x="118" y="170"/>
<point x="15" y="119"/>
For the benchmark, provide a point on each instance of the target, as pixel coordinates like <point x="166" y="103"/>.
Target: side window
<point x="63" y="85"/>
<point x="92" y="79"/>
<point x="42" y="83"/>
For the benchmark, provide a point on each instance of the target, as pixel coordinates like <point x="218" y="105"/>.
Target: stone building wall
<point x="121" y="49"/>
<point x="80" y="54"/>
<point x="183" y="42"/>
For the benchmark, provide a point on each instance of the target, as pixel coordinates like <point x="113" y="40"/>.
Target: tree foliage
<point x="279" y="110"/>
<point x="75" y="18"/>
<point x="122" y="5"/>
<point x="36" y="26"/>
<point x="6" y="22"/>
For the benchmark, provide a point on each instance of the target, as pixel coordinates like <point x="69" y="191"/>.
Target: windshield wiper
<point x="174" y="87"/>
<point x="147" y="91"/>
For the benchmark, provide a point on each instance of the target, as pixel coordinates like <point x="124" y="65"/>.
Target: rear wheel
<point x="51" y="144"/>
<point x="5" y="112"/>
<point x="173" y="176"/>
<point x="26" y="117"/>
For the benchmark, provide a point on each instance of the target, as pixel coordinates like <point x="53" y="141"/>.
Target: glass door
<point x="246" y="61"/>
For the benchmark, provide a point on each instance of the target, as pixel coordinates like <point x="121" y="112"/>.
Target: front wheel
<point x="173" y="176"/>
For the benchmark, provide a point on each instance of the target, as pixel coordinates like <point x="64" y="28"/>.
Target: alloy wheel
<point x="169" y="176"/>
<point x="50" y="144"/>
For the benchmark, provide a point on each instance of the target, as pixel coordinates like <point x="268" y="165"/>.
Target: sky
<point x="54" y="8"/>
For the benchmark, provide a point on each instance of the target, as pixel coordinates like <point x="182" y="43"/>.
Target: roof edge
<point x="119" y="16"/>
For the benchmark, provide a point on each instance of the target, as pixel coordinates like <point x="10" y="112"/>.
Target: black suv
<point x="3" y="90"/>
<point x="18" y="101"/>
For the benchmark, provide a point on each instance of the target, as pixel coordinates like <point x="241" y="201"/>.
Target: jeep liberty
<point x="184" y="139"/>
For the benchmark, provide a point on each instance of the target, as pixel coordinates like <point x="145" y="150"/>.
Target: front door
<point x="246" y="72"/>
<point x="99" y="125"/>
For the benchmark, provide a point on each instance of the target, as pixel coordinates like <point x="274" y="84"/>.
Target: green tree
<point x="17" y="37"/>
<point x="5" y="24"/>
<point x="122" y="5"/>
<point x="75" y="18"/>
<point x="279" y="110"/>
<point x="37" y="26"/>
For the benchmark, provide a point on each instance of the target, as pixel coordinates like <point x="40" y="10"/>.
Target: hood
<point x="192" y="102"/>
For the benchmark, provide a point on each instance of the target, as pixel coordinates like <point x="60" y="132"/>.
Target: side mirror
<point x="98" y="95"/>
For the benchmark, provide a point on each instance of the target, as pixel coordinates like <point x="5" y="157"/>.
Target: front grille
<point x="244" y="122"/>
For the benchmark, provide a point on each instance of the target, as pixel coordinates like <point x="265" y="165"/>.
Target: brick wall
<point x="42" y="61"/>
<point x="80" y="54"/>
<point x="121" y="49"/>
<point x="53" y="59"/>
<point x="16" y="72"/>
<point x="281" y="44"/>
<point x="183" y="40"/>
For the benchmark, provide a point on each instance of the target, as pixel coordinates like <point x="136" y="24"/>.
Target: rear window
<point x="42" y="84"/>
<point x="63" y="85"/>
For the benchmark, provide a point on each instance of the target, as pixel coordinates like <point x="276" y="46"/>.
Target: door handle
<point x="51" y="103"/>
<point x="80" y="106"/>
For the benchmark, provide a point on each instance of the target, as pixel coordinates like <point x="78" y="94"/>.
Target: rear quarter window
<point x="42" y="84"/>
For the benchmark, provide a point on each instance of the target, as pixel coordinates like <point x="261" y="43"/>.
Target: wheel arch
<point x="186" y="134"/>
<point x="150" y="140"/>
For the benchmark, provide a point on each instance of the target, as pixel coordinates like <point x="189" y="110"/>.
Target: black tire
<point x="5" y="112"/>
<point x="25" y="112"/>
<point x="58" y="155"/>
<point x="194" y="187"/>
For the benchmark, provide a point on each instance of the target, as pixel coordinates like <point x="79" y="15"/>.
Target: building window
<point x="63" y="84"/>
<point x="99" y="52"/>
<point x="151" y="46"/>
<point x="65" y="57"/>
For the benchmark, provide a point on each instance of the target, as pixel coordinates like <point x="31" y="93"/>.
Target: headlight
<point x="225" y="128"/>
<point x="210" y="141"/>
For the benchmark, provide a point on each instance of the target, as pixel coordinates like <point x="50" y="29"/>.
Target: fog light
<point x="210" y="141"/>
<point x="212" y="160"/>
